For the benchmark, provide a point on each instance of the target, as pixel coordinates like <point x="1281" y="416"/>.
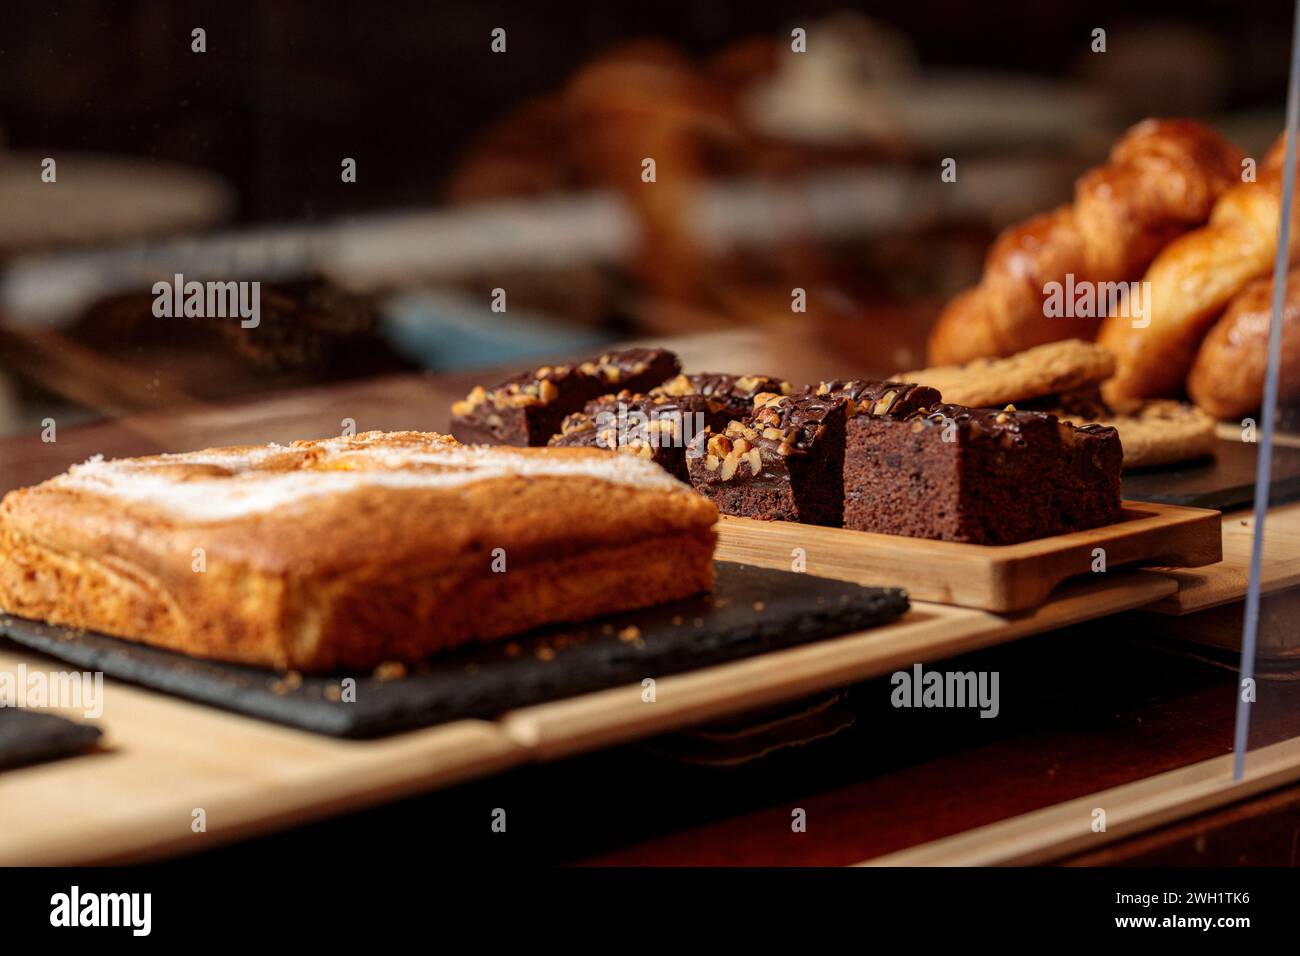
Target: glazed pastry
<point x="1190" y="284"/>
<point x="645" y="100"/>
<point x="1162" y="179"/>
<point x="1227" y="377"/>
<point x="349" y="552"/>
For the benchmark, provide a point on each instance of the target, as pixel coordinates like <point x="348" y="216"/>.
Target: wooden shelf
<point x="1225" y="581"/>
<point x="164" y="757"/>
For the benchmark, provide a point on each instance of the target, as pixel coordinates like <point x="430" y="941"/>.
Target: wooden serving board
<point x="1225" y="581"/>
<point x="1004" y="578"/>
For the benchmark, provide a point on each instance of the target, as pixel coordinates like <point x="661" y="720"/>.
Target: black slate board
<point x="750" y="610"/>
<point x="1223" y="482"/>
<point x="28" y="737"/>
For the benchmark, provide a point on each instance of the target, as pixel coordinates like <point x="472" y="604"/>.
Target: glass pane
<point x="281" y="224"/>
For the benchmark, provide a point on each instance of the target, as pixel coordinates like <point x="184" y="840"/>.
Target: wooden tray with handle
<point x="1004" y="578"/>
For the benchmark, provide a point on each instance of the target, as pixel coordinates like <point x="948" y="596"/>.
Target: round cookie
<point x="1043" y="370"/>
<point x="1158" y="432"/>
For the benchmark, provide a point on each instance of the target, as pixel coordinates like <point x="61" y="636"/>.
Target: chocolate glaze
<point x="613" y="368"/>
<point x="1086" y="445"/>
<point x="880" y="399"/>
<point x="724" y="385"/>
<point x="602" y="415"/>
<point x="800" y="419"/>
<point x="992" y="422"/>
<point x="527" y="409"/>
<point x="783" y="462"/>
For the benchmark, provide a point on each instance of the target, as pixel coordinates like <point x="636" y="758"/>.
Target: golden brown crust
<point x="355" y="574"/>
<point x="1190" y="283"/>
<point x="1227" y="377"/>
<point x="1162" y="178"/>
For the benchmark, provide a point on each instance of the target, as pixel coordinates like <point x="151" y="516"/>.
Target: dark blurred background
<point x="287" y="86"/>
<point x="522" y="172"/>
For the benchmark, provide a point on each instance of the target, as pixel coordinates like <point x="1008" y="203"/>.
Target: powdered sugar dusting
<point x="279" y="477"/>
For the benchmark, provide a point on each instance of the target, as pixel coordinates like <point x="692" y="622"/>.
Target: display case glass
<point x="980" y="333"/>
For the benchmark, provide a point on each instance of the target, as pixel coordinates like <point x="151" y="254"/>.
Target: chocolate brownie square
<point x="728" y="397"/>
<point x="783" y="462"/>
<point x="655" y="427"/>
<point x="529" y="408"/>
<point x="979" y="475"/>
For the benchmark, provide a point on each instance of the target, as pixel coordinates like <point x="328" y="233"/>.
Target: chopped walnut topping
<point x="476" y="397"/>
<point x="518" y="400"/>
<point x="727" y="452"/>
<point x="885" y="402"/>
<point x="677" y="387"/>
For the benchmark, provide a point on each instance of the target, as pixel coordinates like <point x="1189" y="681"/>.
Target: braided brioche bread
<point x="1163" y="177"/>
<point x="642" y="100"/>
<point x="1191" y="282"/>
<point x="1227" y="377"/>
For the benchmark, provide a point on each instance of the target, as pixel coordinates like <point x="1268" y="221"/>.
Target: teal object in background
<point x="448" y="329"/>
